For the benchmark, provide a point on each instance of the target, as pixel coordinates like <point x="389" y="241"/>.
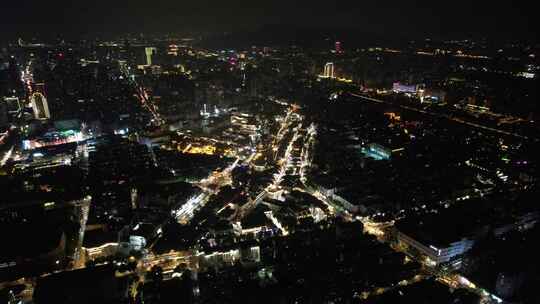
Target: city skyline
<point x="161" y="152"/>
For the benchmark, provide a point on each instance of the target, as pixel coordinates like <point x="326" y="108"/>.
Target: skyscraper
<point x="150" y="51"/>
<point x="338" y="48"/>
<point x="329" y="70"/>
<point x="13" y="105"/>
<point x="40" y="106"/>
<point x="40" y="88"/>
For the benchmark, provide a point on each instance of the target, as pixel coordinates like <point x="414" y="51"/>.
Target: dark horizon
<point x="412" y="19"/>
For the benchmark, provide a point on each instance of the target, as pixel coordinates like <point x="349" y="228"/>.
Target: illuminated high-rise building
<point x="150" y="51"/>
<point x="40" y="106"/>
<point x="40" y="88"/>
<point x="338" y="48"/>
<point x="329" y="70"/>
<point x="13" y="105"/>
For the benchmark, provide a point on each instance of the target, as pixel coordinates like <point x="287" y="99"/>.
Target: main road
<point x="291" y="119"/>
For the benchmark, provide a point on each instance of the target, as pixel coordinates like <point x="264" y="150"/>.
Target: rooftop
<point x="440" y="230"/>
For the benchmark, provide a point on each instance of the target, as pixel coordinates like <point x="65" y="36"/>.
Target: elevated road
<point x="454" y="119"/>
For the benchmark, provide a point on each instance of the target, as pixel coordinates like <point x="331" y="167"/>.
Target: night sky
<point x="455" y="18"/>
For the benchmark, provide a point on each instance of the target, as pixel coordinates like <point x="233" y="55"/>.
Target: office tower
<point x="150" y="51"/>
<point x="338" y="48"/>
<point x="329" y="70"/>
<point x="40" y="88"/>
<point x="40" y="106"/>
<point x="13" y="105"/>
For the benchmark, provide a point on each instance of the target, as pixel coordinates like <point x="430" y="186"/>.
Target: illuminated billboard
<point x="53" y="139"/>
<point x="402" y="88"/>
